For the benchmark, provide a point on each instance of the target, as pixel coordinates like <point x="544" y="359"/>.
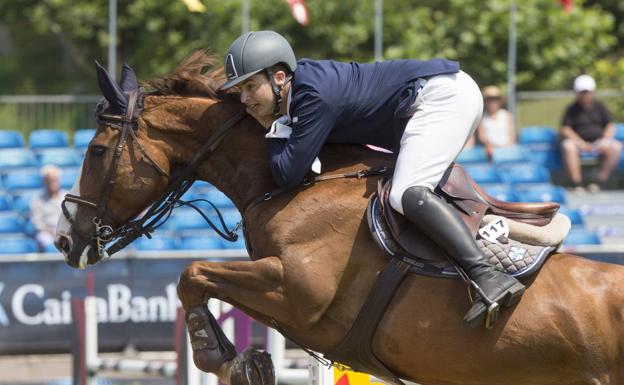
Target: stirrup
<point x="491" y="316"/>
<point x="492" y="308"/>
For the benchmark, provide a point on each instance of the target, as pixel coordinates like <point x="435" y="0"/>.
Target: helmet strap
<point x="277" y="92"/>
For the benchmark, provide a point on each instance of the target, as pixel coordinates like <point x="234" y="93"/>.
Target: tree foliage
<point x="51" y="44"/>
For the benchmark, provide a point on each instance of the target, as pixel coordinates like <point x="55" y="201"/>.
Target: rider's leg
<point x="434" y="217"/>
<point x="447" y="110"/>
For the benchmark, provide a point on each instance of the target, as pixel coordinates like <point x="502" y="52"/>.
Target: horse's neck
<point x="239" y="166"/>
<point x="242" y="171"/>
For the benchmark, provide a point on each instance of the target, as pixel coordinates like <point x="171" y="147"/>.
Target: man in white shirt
<point x="45" y="209"/>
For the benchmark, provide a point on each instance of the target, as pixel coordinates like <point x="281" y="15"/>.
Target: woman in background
<point x="497" y="125"/>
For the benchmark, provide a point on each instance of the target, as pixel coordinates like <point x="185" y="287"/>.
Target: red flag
<point x="299" y="11"/>
<point x="567" y="5"/>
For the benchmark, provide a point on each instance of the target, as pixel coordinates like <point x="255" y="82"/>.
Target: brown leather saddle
<point x="470" y="201"/>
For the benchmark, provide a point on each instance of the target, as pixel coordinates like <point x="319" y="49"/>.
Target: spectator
<point x="587" y="127"/>
<point x="497" y="126"/>
<point x="46" y="208"/>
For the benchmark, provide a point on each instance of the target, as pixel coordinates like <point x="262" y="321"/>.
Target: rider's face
<point x="257" y="96"/>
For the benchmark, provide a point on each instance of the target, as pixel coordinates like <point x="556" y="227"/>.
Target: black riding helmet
<point x="256" y="51"/>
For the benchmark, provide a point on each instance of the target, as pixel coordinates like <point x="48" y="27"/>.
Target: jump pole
<point x="87" y="364"/>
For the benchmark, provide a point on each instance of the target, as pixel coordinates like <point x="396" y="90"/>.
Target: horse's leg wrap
<point x="252" y="367"/>
<point x="211" y="348"/>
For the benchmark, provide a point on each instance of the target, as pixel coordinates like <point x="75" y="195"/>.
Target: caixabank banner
<point x="136" y="304"/>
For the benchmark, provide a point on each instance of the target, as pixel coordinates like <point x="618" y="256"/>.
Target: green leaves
<point x="54" y="42"/>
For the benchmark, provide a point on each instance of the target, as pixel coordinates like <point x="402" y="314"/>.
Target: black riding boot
<point x="439" y="221"/>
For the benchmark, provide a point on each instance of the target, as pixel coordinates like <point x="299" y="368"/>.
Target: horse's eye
<point x="97" y="150"/>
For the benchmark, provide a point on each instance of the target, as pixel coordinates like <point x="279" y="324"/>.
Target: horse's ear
<point x="128" y="79"/>
<point x="110" y="89"/>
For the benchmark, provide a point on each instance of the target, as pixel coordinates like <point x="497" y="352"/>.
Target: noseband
<point x="130" y="230"/>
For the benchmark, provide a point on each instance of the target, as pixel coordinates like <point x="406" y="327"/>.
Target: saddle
<point x="464" y="194"/>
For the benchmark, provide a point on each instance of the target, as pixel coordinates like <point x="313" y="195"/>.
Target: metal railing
<point x="71" y="112"/>
<point x="63" y="112"/>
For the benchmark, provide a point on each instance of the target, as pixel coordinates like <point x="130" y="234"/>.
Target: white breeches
<point x="447" y="111"/>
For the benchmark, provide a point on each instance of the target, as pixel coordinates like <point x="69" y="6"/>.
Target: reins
<point x="164" y="205"/>
<point x="171" y="198"/>
<point x="372" y="171"/>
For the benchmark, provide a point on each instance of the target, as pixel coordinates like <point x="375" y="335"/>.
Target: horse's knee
<point x="190" y="290"/>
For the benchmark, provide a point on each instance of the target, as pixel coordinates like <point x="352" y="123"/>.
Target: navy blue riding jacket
<point x="335" y="102"/>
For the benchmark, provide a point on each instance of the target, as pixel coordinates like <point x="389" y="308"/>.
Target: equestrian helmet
<point x="255" y="51"/>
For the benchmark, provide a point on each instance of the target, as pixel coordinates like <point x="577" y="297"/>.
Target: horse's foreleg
<point x="258" y="288"/>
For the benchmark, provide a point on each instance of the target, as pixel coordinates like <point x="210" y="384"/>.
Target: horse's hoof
<point x="252" y="367"/>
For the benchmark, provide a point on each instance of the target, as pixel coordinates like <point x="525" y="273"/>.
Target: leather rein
<point x="159" y="211"/>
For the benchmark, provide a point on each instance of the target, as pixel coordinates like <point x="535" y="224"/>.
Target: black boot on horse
<point x="433" y="215"/>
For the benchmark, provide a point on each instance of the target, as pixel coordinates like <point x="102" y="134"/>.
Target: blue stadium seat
<point x="83" y="137"/>
<point x="231" y="217"/>
<point x="590" y="156"/>
<point x="524" y="173"/>
<point x="238" y="245"/>
<point x="199" y="242"/>
<point x="21" y="199"/>
<point x="581" y="237"/>
<point x="157" y="243"/>
<point x="619" y="131"/>
<point x="202" y="185"/>
<point x="11" y="222"/>
<point x="537" y="136"/>
<point x="550" y="159"/>
<point x="211" y="194"/>
<point x="17" y="157"/>
<point x="474" y="154"/>
<point x="500" y="191"/>
<point x="541" y="193"/>
<point x="511" y="154"/>
<point x="25" y="178"/>
<point x="68" y="177"/>
<point x="29" y="228"/>
<point x="50" y="248"/>
<point x="18" y="245"/>
<point x="575" y="215"/>
<point x="218" y="198"/>
<point x="5" y="202"/>
<point x="62" y="157"/>
<point x="47" y="138"/>
<point x="11" y="139"/>
<point x="187" y="219"/>
<point x="483" y="173"/>
<point x="610" y="230"/>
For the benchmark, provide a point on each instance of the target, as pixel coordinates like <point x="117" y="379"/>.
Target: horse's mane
<point x="196" y="75"/>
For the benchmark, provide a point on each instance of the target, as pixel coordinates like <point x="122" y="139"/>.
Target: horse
<point x="313" y="261"/>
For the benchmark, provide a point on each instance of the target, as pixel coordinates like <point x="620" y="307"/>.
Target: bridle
<point x="130" y="230"/>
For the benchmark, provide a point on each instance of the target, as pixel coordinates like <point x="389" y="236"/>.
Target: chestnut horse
<point x="314" y="262"/>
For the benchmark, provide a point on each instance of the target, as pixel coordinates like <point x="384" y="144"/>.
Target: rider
<point x="425" y="110"/>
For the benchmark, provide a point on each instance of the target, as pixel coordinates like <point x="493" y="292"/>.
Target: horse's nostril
<point x="63" y="243"/>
